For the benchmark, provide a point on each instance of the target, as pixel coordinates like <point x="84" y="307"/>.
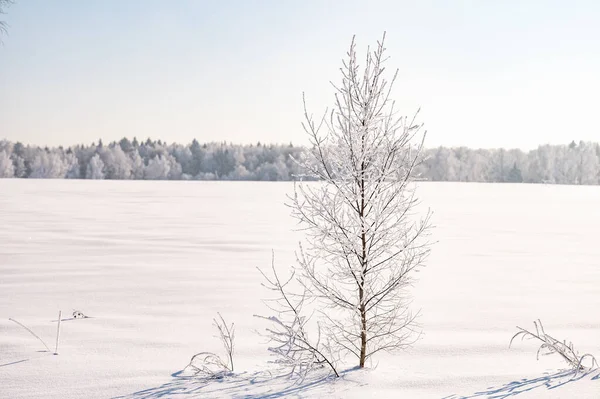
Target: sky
<point x="484" y="73"/>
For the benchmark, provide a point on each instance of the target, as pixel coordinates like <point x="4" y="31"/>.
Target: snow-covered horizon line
<point x="278" y="144"/>
<point x="575" y="163"/>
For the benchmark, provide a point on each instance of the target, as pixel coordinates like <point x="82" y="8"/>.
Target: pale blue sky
<point x="485" y="73"/>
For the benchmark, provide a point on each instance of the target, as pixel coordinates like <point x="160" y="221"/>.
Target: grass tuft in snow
<point x="550" y="345"/>
<point x="209" y="365"/>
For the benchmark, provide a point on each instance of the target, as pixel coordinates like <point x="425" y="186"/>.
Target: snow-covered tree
<point x="476" y="169"/>
<point x="273" y="171"/>
<point x="126" y="145"/>
<point x="588" y="164"/>
<point x="185" y="158"/>
<point x="137" y="166"/>
<point x="72" y="166"/>
<point x="514" y="175"/>
<point x="444" y="165"/>
<point x="117" y="164"/>
<point x="542" y="162"/>
<point x="48" y="165"/>
<point x="363" y="243"/>
<point x="240" y="173"/>
<point x="175" y="170"/>
<point x="6" y="146"/>
<point x="7" y="168"/>
<point x="95" y="168"/>
<point x="158" y="168"/>
<point x="19" y="165"/>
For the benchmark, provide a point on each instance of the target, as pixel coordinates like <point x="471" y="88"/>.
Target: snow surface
<point x="152" y="263"/>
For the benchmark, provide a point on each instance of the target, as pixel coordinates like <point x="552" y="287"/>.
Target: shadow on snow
<point x="265" y="385"/>
<point x="549" y="381"/>
<point x="262" y="385"/>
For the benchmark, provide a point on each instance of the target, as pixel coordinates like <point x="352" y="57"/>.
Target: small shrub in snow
<point x="210" y="365"/>
<point x="550" y="345"/>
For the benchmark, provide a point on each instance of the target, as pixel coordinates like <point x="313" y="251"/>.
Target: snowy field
<point x="152" y="263"/>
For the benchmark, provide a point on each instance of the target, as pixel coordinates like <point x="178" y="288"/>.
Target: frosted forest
<point x="131" y="159"/>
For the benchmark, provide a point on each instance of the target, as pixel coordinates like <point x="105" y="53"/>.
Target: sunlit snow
<point x="150" y="264"/>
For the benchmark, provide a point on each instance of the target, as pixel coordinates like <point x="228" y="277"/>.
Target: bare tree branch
<point x="293" y="347"/>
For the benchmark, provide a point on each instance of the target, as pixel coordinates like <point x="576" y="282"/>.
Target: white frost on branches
<point x="550" y="345"/>
<point x="292" y="346"/>
<point x="208" y="364"/>
<point x="363" y="239"/>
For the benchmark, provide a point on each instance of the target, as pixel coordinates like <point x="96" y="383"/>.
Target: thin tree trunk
<point x="361" y="292"/>
<point x="363" y="334"/>
<point x="362" y="307"/>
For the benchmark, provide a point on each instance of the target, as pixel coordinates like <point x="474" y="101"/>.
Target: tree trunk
<point x="361" y="291"/>
<point x="361" y="295"/>
<point x="363" y="336"/>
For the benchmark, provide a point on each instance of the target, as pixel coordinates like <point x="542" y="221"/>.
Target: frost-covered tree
<point x="273" y="171"/>
<point x="588" y="164"/>
<point x="95" y="168"/>
<point x="363" y="241"/>
<point x="221" y="162"/>
<point x="514" y="175"/>
<point x="48" y="165"/>
<point x="19" y="165"/>
<point x="445" y="166"/>
<point x="184" y="157"/>
<point x="116" y="163"/>
<point x="198" y="155"/>
<point x="72" y="166"/>
<point x="175" y="170"/>
<point x="158" y="168"/>
<point x="240" y="173"/>
<point x="476" y="168"/>
<point x="126" y="145"/>
<point x="7" y="168"/>
<point x="137" y="166"/>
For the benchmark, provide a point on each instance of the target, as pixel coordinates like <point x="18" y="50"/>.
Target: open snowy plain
<point x="152" y="262"/>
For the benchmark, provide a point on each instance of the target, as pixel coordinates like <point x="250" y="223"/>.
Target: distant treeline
<point x="576" y="163"/>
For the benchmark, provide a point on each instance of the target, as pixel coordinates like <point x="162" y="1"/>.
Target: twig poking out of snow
<point x="32" y="333"/>
<point x="57" y="332"/>
<point x="210" y="365"/>
<point x="227" y="336"/>
<point x="551" y="345"/>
